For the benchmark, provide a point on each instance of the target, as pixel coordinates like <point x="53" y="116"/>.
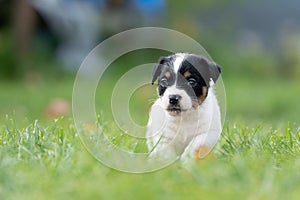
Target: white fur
<point x="183" y="134"/>
<point x="185" y="103"/>
<point x="178" y="61"/>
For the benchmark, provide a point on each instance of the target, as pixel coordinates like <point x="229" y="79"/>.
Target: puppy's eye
<point x="192" y="82"/>
<point x="163" y="82"/>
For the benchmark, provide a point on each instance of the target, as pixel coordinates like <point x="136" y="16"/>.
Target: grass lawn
<point x="258" y="156"/>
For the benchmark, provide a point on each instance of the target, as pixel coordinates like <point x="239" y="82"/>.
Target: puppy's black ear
<point x="156" y="72"/>
<point x="215" y="71"/>
<point x="158" y="69"/>
<point x="207" y="69"/>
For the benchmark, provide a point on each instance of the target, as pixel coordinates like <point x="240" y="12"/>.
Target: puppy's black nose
<point x="173" y="99"/>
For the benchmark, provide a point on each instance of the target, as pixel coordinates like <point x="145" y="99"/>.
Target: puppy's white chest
<point x="179" y="132"/>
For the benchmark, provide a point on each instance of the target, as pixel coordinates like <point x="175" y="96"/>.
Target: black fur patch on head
<point x="197" y="72"/>
<point x="164" y="72"/>
<point x="164" y="62"/>
<point x="194" y="75"/>
<point x="208" y="70"/>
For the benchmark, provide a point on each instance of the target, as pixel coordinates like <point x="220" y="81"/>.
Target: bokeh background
<point x="257" y="43"/>
<point x="43" y="42"/>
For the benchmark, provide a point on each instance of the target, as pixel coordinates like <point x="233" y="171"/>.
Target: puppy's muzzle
<point x="174" y="99"/>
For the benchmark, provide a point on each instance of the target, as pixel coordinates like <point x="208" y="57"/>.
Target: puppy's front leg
<point x="166" y="148"/>
<point x="197" y="149"/>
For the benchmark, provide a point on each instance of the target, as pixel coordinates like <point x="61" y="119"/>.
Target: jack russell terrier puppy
<point x="184" y="122"/>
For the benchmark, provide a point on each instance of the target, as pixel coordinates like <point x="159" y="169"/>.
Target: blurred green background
<point x="257" y="44"/>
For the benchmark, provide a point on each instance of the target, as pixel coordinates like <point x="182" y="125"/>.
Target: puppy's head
<point x="184" y="81"/>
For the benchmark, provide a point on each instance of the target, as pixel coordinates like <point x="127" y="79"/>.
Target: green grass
<point x="256" y="158"/>
<point x="49" y="162"/>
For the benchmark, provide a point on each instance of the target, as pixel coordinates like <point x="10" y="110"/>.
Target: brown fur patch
<point x="168" y="74"/>
<point x="201" y="152"/>
<point x="203" y="96"/>
<point x="187" y="74"/>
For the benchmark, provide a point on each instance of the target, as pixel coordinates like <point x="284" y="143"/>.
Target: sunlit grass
<point x="49" y="162"/>
<point x="257" y="156"/>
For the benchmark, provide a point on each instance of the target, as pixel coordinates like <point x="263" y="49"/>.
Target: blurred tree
<point x="24" y="27"/>
<point x="7" y="61"/>
<point x="4" y="12"/>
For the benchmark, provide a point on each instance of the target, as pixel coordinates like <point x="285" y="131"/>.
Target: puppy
<point x="185" y="120"/>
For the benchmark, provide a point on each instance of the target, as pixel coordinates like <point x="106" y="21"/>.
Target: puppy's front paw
<point x="201" y="152"/>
